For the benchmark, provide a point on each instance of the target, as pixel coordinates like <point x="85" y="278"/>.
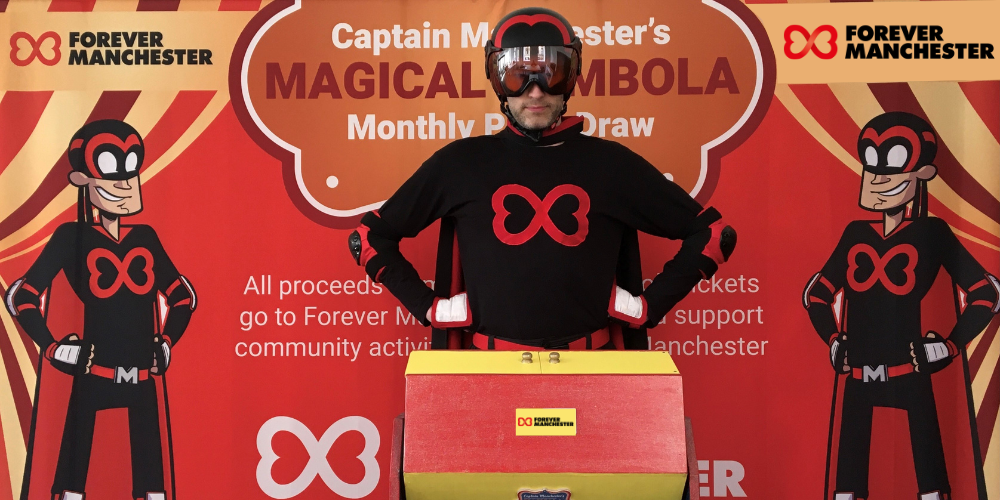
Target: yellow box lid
<point x="442" y="362"/>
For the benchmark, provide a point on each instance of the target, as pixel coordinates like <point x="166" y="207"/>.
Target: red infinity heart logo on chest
<point x="881" y="262"/>
<point x="121" y="266"/>
<point x="541" y="220"/>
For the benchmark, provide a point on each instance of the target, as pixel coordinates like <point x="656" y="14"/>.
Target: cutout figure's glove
<point x="71" y="355"/>
<point x="838" y="353"/>
<point x="161" y="355"/>
<point x="932" y="353"/>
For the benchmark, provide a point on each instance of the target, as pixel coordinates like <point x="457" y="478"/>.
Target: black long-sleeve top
<point x="539" y="227"/>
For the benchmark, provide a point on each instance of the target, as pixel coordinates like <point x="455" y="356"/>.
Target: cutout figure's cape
<point x="110" y="473"/>
<point x="891" y="472"/>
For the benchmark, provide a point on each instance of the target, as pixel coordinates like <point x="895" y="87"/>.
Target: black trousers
<point x="92" y="394"/>
<point x="911" y="392"/>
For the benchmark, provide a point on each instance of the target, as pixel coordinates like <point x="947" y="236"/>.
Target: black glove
<point x="838" y="353"/>
<point x="932" y="353"/>
<point x="161" y="355"/>
<point x="71" y="355"/>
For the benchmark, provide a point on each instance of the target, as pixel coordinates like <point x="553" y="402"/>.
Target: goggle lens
<point x="553" y="68"/>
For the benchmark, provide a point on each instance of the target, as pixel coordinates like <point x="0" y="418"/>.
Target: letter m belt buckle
<point x="126" y="375"/>
<point x="875" y="374"/>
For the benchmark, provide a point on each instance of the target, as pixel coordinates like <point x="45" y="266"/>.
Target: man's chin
<point x="536" y="125"/>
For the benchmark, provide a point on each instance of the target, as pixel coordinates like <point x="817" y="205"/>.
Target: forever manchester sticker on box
<point x="545" y="422"/>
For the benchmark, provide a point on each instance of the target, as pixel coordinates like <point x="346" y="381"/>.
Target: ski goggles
<point x="553" y="68"/>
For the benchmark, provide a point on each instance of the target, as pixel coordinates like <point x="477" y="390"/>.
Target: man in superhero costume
<point x="119" y="273"/>
<point x="545" y="218"/>
<point x="865" y="304"/>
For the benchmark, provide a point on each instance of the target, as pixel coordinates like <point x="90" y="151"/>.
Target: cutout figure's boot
<point x="846" y="495"/>
<point x="933" y="495"/>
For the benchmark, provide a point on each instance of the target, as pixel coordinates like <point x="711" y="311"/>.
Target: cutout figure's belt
<point x="120" y="374"/>
<point x="880" y="373"/>
<point x="590" y="341"/>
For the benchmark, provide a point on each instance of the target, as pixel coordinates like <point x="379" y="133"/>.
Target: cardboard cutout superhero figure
<point x="136" y="307"/>
<point x="866" y="306"/>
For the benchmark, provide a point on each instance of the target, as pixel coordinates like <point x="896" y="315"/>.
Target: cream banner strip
<point x="883" y="42"/>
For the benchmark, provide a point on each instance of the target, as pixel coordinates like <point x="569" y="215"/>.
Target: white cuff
<point x="68" y="354"/>
<point x="453" y="310"/>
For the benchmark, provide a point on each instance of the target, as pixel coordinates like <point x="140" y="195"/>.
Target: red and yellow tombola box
<point x="594" y="425"/>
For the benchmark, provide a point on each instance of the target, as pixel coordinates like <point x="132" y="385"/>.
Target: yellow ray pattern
<point x="29" y="7"/>
<point x="858" y="100"/>
<point x="207" y="116"/>
<point x="12" y="436"/>
<point x="982" y="379"/>
<point x="116" y="5"/>
<point x="20" y="354"/>
<point x="794" y="106"/>
<point x="48" y="141"/>
<point x="187" y="5"/>
<point x="963" y="234"/>
<point x="962" y="129"/>
<point x="971" y="348"/>
<point x="860" y="104"/>
<point x="991" y="464"/>
<point x="26" y="250"/>
<point x="148" y="109"/>
<point x="67" y="197"/>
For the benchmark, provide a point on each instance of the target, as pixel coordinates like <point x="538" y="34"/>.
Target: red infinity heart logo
<point x="541" y="219"/>
<point x="122" y="267"/>
<point x="36" y="48"/>
<point x="810" y="41"/>
<point x="879" y="274"/>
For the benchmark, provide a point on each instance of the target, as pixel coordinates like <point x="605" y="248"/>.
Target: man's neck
<point x="891" y="222"/>
<point x="552" y="127"/>
<point x="111" y="225"/>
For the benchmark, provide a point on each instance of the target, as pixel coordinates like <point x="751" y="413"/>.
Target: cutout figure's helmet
<point x="107" y="149"/>
<point x="896" y="142"/>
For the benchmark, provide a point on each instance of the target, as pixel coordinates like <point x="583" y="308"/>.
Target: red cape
<point x="110" y="474"/>
<point x="891" y="472"/>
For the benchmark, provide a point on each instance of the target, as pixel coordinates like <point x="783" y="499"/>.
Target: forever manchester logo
<point x="545" y="422"/>
<point x="130" y="48"/>
<point x="909" y="42"/>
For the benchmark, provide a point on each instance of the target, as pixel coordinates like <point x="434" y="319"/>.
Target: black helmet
<point x="896" y="142"/>
<point x="532" y="45"/>
<point x="107" y="149"/>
